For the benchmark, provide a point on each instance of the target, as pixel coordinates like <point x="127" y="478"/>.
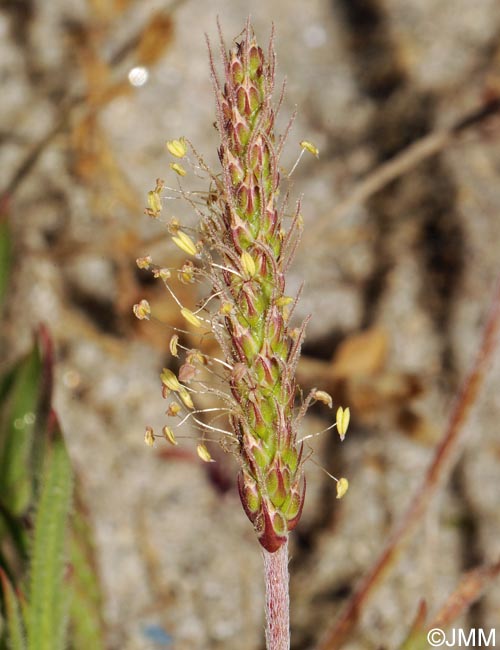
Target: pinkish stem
<point x="277" y="599"/>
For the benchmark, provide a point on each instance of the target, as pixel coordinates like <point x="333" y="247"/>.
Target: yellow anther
<point x="178" y="169"/>
<point x="186" y="273"/>
<point x="283" y="301"/>
<point x="142" y="310"/>
<point x="309" y="146"/>
<point x="226" y="308"/>
<point x="149" y="437"/>
<point x="173" y="345"/>
<point x="204" y="454"/>
<point x="190" y="317"/>
<point x="177" y="147"/>
<point x="343" y="417"/>
<point x="154" y="203"/>
<point x="248" y="264"/>
<point x="169" y="435"/>
<point x="173" y="409"/>
<point x="163" y="274"/>
<point x="173" y="226"/>
<point x="144" y="262"/>
<point x="169" y="380"/>
<point x="196" y="357"/>
<point x="324" y="397"/>
<point x="186" y="398"/>
<point x="185" y="243"/>
<point x="342" y="487"/>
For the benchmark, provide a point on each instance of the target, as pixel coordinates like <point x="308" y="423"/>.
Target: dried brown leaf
<point x="106" y="10"/>
<point x="155" y="39"/>
<point x="362" y="354"/>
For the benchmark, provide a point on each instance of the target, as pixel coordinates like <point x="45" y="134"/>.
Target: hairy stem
<point x="277" y="598"/>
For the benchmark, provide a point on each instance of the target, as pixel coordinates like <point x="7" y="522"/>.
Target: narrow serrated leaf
<point x="16" y="639"/>
<point x="417" y="637"/>
<point x="13" y="530"/>
<point x="41" y="432"/>
<point x="17" y="421"/>
<point x="86" y="621"/>
<point x="48" y="594"/>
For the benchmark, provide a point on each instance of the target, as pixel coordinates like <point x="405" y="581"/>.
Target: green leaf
<point x="87" y="626"/>
<point x="13" y="529"/>
<point x="417" y="635"/>
<point x="26" y="385"/>
<point x="17" y="420"/>
<point x="48" y="593"/>
<point x="5" y="257"/>
<point x="416" y="641"/>
<point x="15" y="632"/>
<point x="41" y="435"/>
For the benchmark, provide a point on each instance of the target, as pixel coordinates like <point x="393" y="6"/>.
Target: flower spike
<point x="243" y="246"/>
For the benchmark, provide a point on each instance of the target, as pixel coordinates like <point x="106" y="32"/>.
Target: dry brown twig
<point x="413" y="155"/>
<point x="469" y="590"/>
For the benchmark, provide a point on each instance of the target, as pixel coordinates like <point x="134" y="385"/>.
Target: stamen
<point x="142" y="310"/>
<point x="178" y="169"/>
<point x="343" y="417"/>
<point x="226" y="268"/>
<point x="317" y="433"/>
<point x="169" y="435"/>
<point x="177" y="147"/>
<point x="149" y="437"/>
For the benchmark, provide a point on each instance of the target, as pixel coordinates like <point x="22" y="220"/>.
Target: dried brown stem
<point x="437" y="472"/>
<point x="469" y="590"/>
<point x="31" y="158"/>
<point x="415" y="153"/>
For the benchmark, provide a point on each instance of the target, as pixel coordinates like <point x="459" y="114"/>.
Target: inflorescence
<point x="242" y="247"/>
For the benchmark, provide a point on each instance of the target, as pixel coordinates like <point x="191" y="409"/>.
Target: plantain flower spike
<point x="247" y="239"/>
<point x="250" y="235"/>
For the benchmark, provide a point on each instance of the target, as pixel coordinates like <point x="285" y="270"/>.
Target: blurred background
<point x="398" y="284"/>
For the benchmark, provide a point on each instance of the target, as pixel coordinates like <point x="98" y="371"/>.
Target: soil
<point x="413" y="268"/>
